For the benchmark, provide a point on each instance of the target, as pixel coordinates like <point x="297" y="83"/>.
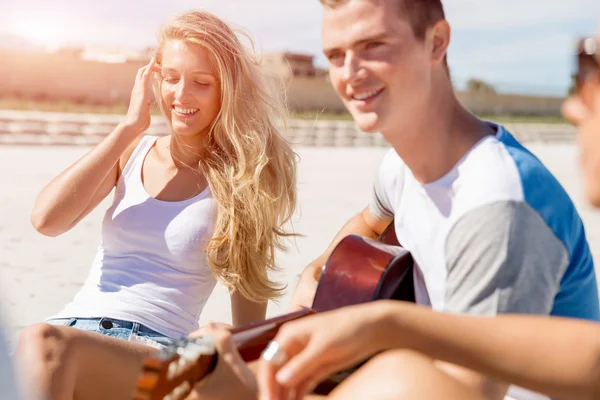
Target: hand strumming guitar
<point x="308" y="350"/>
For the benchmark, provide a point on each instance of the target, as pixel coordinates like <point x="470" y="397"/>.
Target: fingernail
<point x="283" y="376"/>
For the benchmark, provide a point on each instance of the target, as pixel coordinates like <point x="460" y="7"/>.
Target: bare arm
<point x="74" y="193"/>
<point x="556" y="356"/>
<point x="244" y="311"/>
<point x="363" y="224"/>
<point x="78" y="190"/>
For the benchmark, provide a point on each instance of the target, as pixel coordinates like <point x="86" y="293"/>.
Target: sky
<point x="523" y="46"/>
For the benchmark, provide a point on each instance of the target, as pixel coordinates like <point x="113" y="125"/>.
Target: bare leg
<point x="401" y="374"/>
<point x="62" y="363"/>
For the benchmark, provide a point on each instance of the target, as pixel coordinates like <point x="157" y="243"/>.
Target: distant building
<point x="288" y="64"/>
<point x="105" y="76"/>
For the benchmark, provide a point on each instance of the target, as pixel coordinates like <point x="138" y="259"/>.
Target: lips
<point x="184" y="112"/>
<point x="366" y="95"/>
<point x="362" y="100"/>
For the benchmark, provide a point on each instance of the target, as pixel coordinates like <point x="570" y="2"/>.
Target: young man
<point x="490" y="228"/>
<point x="556" y="356"/>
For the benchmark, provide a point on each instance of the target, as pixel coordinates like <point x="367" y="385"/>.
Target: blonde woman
<point x="208" y="202"/>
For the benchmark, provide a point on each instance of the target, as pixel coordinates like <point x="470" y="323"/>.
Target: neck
<point x="440" y="134"/>
<point x="186" y="152"/>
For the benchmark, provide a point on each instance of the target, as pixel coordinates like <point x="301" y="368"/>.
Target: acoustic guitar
<point x="359" y="270"/>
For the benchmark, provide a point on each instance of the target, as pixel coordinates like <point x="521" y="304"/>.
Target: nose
<point x="353" y="68"/>
<point x="181" y="90"/>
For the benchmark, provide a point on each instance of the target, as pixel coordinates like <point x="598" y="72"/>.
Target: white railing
<point x="44" y="128"/>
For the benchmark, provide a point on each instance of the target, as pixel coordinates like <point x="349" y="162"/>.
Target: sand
<point x="38" y="275"/>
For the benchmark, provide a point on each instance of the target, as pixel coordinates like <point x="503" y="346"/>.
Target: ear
<point x="439" y="36"/>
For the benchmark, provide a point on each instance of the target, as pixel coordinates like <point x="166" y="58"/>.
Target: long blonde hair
<point x="250" y="167"/>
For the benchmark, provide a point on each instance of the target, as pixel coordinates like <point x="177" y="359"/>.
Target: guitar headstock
<point x="170" y="373"/>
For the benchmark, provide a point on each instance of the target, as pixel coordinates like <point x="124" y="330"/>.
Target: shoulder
<point x="500" y="168"/>
<point x="488" y="173"/>
<point x="544" y="193"/>
<point x="126" y="156"/>
<point x="391" y="169"/>
<point x="390" y="160"/>
<point x="532" y="172"/>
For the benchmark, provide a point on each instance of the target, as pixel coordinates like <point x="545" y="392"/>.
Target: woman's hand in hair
<point x="138" y="114"/>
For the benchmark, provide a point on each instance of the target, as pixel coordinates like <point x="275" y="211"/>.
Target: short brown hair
<point x="420" y="13"/>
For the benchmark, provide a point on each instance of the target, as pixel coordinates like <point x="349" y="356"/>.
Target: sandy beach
<point x="38" y="275"/>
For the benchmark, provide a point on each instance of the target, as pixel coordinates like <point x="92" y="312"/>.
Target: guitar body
<point x="359" y="270"/>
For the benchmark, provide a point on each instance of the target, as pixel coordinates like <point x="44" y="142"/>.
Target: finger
<point x="317" y="376"/>
<point x="210" y="327"/>
<point x="140" y="72"/>
<point x="148" y="68"/>
<point x="222" y="325"/>
<point x="231" y="358"/>
<point x="300" y="367"/>
<point x="268" y="367"/>
<point x="265" y="377"/>
<point x="151" y="63"/>
<point x="289" y="346"/>
<point x="300" y="391"/>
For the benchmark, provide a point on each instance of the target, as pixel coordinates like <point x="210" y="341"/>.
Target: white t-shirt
<point x="496" y="234"/>
<point x="151" y="267"/>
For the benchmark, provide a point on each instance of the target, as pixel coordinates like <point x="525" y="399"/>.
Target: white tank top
<point x="150" y="267"/>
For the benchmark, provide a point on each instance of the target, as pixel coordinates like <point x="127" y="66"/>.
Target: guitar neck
<point x="172" y="373"/>
<point x="251" y="340"/>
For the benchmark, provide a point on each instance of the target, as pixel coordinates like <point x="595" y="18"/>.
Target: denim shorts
<point x="126" y="330"/>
